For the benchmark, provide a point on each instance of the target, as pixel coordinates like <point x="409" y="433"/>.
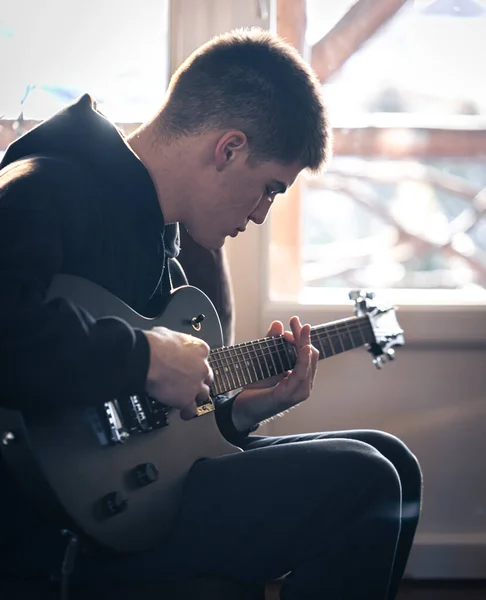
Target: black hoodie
<point x="75" y="199"/>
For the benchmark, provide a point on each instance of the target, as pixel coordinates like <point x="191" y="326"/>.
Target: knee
<point x="398" y="453"/>
<point x="369" y="467"/>
<point x="353" y="472"/>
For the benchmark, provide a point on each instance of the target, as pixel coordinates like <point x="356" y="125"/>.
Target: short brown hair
<point x="253" y="81"/>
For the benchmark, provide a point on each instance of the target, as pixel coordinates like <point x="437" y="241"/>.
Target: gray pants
<point x="336" y="511"/>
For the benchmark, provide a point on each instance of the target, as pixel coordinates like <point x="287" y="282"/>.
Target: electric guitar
<point x="115" y="472"/>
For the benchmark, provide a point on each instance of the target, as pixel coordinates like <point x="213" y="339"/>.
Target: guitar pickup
<point x="133" y="414"/>
<point x="156" y="413"/>
<point x="114" y="425"/>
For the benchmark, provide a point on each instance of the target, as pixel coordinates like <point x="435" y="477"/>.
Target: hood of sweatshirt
<point x="81" y="133"/>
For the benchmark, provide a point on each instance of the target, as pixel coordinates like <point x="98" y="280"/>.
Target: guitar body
<point x="116" y="472"/>
<point x="121" y="489"/>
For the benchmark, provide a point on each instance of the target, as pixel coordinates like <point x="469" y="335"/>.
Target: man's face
<point x="230" y="197"/>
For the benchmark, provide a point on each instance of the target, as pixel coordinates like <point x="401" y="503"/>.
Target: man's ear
<point x="231" y="145"/>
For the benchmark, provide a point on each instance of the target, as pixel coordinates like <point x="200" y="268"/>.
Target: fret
<point x="227" y="370"/>
<point x="242" y="364"/>
<point x="356" y="333"/>
<point x="260" y="360"/>
<point x="340" y="336"/>
<point x="226" y="384"/>
<point x="263" y="358"/>
<point x="346" y="341"/>
<point x="219" y="373"/>
<point x="235" y="364"/>
<point x="316" y="341"/>
<point x="231" y="373"/>
<point x="331" y="341"/>
<point x="246" y="363"/>
<point x="291" y="354"/>
<point x="327" y="344"/>
<point x="336" y="340"/>
<point x="286" y="360"/>
<point x="217" y="386"/>
<point x="253" y="353"/>
<point x="250" y="365"/>
<point x="276" y="353"/>
<point x="269" y="358"/>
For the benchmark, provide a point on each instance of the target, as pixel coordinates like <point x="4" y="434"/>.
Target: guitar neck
<point x="242" y="364"/>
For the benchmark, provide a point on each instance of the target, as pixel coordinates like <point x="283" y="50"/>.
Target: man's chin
<point x="212" y="244"/>
<point x="207" y="243"/>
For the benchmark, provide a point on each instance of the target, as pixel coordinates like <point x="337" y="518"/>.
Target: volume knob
<point x="146" y="473"/>
<point x="114" y="503"/>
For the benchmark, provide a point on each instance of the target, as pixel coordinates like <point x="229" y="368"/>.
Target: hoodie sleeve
<point x="53" y="352"/>
<point x="224" y="420"/>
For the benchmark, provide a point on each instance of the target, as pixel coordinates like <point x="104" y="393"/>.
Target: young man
<point x="242" y="117"/>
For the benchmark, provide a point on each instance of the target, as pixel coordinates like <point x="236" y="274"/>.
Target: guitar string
<point x="261" y="350"/>
<point x="280" y="340"/>
<point x="322" y="329"/>
<point x="272" y="347"/>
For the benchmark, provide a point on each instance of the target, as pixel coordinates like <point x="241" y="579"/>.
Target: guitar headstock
<point x="387" y="332"/>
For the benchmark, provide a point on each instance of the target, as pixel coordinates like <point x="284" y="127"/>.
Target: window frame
<point x="426" y="319"/>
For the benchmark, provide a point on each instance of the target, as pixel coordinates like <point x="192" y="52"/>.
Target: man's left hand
<point x="266" y="398"/>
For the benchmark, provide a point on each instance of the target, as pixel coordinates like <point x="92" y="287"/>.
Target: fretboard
<point x="236" y="366"/>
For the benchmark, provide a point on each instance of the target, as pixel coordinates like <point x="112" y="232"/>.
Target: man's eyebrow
<point x="279" y="186"/>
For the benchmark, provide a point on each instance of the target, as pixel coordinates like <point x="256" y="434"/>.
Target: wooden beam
<point x="357" y="26"/>
<point x="285" y="281"/>
<point x="381" y="142"/>
<point x="410" y="142"/>
<point x="11" y="129"/>
<point x="292" y="22"/>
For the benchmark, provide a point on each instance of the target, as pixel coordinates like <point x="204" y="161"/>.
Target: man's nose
<point x="259" y="215"/>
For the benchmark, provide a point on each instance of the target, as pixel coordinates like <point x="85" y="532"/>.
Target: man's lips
<point x="237" y="231"/>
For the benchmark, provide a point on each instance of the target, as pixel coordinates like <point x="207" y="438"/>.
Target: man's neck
<point x="163" y="162"/>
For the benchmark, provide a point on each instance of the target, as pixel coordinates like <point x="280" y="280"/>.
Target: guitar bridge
<point x="140" y="414"/>
<point x="117" y="433"/>
<point x="133" y="414"/>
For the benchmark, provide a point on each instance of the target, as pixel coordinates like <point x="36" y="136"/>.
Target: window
<point x="57" y="50"/>
<point x="402" y="206"/>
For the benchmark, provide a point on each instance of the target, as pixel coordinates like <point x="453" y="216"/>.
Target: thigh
<point x="388" y="445"/>
<point x="385" y="443"/>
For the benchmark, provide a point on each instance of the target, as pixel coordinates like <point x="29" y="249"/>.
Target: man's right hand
<point x="179" y="371"/>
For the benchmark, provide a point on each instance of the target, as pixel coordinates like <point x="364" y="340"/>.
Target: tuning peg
<point x="391" y="354"/>
<point x="363" y="294"/>
<point x="378" y="362"/>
